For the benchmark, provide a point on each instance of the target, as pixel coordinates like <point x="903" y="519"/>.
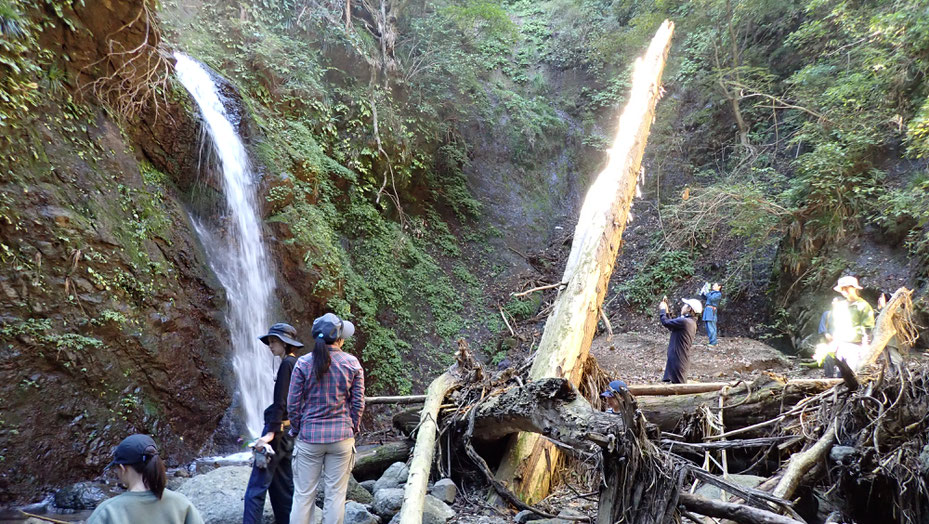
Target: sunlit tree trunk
<point x="565" y="343"/>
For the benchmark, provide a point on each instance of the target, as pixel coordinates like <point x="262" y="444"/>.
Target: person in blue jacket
<point x="713" y="296"/>
<point x="683" y="330"/>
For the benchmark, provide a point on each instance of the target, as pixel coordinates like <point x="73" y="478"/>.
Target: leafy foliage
<point x="657" y="278"/>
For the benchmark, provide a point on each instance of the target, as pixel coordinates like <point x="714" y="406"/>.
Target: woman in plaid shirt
<point x="325" y="403"/>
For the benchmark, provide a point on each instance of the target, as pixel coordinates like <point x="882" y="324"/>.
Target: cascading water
<point x="236" y="250"/>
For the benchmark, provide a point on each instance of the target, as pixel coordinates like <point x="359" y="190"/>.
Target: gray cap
<point x="330" y="328"/>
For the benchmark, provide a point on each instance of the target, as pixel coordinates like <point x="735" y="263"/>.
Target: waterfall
<point x="235" y="248"/>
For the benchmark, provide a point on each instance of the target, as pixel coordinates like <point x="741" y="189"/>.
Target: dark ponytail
<point x="152" y="469"/>
<point x="321" y="358"/>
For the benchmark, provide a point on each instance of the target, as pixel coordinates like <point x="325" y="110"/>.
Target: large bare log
<point x="414" y="493"/>
<point x="569" y="330"/>
<point x="465" y="370"/>
<point x="662" y="390"/>
<point x="747" y="404"/>
<point x="404" y="399"/>
<point x="371" y="463"/>
<point x="737" y="512"/>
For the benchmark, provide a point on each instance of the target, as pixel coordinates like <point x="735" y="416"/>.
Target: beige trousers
<point x="334" y="463"/>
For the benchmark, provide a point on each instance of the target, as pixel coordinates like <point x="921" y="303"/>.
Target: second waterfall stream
<point x="235" y="247"/>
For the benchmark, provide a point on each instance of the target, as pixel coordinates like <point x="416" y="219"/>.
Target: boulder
<point x="356" y="513"/>
<point x="219" y="494"/>
<point x="387" y="501"/>
<point x="81" y="496"/>
<point x="435" y="511"/>
<point x="368" y="485"/>
<point x="444" y="490"/>
<point x="842" y="454"/>
<point x="525" y="516"/>
<point x="394" y="477"/>
<point x="355" y="492"/>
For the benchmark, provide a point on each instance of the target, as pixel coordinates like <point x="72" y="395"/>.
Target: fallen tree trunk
<point x="370" y="464"/>
<point x="414" y="493"/>
<point x="405" y="399"/>
<point x="565" y="343"/>
<point x="737" y="512"/>
<point x="747" y="404"/>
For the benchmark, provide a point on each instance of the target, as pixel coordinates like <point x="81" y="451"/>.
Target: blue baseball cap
<point x="330" y="328"/>
<point x="134" y="449"/>
<point x="615" y="387"/>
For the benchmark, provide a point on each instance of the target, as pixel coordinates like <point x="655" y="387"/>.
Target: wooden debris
<point x="893" y="320"/>
<point x="414" y="493"/>
<point x="405" y="399"/>
<point x="736" y="512"/>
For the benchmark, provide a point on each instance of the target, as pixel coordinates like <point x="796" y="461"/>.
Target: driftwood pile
<point x="830" y="451"/>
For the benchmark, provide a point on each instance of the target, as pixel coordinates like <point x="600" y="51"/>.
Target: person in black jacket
<point x="683" y="330"/>
<point x="274" y="476"/>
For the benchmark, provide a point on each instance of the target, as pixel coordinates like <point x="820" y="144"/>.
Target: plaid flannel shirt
<point x="327" y="410"/>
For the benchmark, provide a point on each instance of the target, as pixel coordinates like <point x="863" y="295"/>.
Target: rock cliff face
<point x="110" y="321"/>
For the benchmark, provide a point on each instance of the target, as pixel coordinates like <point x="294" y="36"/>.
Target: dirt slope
<point x="639" y="358"/>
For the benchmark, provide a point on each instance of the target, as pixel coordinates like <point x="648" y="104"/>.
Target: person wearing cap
<point x="325" y="403"/>
<point x="683" y="330"/>
<point x="852" y="320"/>
<point x="713" y="296"/>
<point x="272" y="473"/>
<point x="139" y="467"/>
<point x="611" y="396"/>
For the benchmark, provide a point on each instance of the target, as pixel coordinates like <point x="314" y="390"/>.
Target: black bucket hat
<point x="134" y="449"/>
<point x="285" y="332"/>
<point x="330" y="328"/>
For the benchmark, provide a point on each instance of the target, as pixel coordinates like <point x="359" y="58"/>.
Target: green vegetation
<point x="656" y="278"/>
<point x="372" y="190"/>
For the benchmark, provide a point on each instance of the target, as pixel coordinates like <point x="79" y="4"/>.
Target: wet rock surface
<point x="218" y="495"/>
<point x="111" y="321"/>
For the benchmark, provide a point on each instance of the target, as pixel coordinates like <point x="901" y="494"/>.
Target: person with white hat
<point x="325" y="404"/>
<point x="683" y="330"/>
<point x="851" y="320"/>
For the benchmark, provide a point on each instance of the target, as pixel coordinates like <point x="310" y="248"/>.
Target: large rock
<point x="435" y="511"/>
<point x="394" y="477"/>
<point x="444" y="490"/>
<point x="525" y="516"/>
<point x="355" y="492"/>
<point x="356" y="513"/>
<point x="387" y="501"/>
<point x="219" y="494"/>
<point x="80" y="496"/>
<point x="368" y="485"/>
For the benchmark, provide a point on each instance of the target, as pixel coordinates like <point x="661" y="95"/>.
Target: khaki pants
<point x="334" y="462"/>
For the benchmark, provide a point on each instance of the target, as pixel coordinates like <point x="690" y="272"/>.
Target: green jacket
<point x="136" y="507"/>
<point x="851" y="321"/>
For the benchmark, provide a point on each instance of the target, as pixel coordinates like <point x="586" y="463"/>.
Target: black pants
<point x="277" y="480"/>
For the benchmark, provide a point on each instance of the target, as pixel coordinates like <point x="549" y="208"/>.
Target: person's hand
<point x="663" y="306"/>
<point x="265" y="439"/>
<point x="828" y="337"/>
<point x="716" y="287"/>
